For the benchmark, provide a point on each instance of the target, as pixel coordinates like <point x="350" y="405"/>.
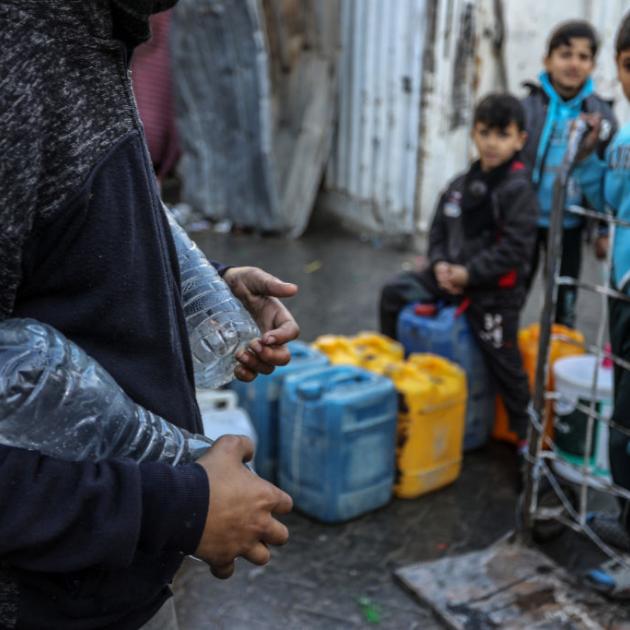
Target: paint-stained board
<point x="507" y="585"/>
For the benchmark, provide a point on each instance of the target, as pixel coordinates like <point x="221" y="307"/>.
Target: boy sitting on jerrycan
<point x="480" y="248"/>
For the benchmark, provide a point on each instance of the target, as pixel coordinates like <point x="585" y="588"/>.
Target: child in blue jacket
<point x="564" y="93"/>
<point x="606" y="183"/>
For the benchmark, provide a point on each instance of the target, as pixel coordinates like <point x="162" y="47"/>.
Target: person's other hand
<point x="259" y="292"/>
<point x="601" y="247"/>
<point x="239" y="521"/>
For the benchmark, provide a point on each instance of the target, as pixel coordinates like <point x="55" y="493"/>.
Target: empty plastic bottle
<point x="219" y="326"/>
<point x="56" y="399"/>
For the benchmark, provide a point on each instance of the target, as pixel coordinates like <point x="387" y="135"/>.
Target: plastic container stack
<point x="431" y="414"/>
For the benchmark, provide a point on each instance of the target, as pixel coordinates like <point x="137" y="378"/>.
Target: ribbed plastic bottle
<point x="219" y="326"/>
<point x="56" y="399"/>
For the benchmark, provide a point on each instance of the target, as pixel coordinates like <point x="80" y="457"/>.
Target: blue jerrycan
<point x="337" y="442"/>
<point x="261" y="400"/>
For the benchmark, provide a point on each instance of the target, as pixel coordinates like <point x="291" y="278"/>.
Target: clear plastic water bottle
<point x="57" y="400"/>
<point x="219" y="326"/>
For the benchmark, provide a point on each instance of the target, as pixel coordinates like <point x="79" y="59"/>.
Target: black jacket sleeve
<point x="512" y="251"/>
<point x="62" y="516"/>
<point x="437" y="235"/>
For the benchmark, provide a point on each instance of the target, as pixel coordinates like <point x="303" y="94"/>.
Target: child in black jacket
<point x="480" y="247"/>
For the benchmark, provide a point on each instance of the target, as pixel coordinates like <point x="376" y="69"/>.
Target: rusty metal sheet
<point x="508" y="585"/>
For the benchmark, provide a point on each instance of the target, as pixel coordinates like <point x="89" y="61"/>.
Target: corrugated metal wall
<point x="451" y="71"/>
<point x="255" y="89"/>
<point x="371" y="178"/>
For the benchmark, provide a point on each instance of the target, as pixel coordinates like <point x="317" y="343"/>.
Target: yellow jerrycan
<point x="430" y="424"/>
<point x="565" y="342"/>
<point x="338" y="349"/>
<point x="377" y="352"/>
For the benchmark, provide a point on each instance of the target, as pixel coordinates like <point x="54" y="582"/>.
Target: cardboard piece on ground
<point x="507" y="585"/>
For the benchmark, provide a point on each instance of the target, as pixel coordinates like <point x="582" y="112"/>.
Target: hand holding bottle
<point x="240" y="520"/>
<point x="259" y="292"/>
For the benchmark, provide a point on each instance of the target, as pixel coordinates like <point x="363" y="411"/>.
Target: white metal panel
<point x="376" y="149"/>
<point x="446" y="144"/>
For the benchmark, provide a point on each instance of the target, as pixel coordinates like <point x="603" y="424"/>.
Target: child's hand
<point x="459" y="277"/>
<point x="441" y="271"/>
<point x="451" y="278"/>
<point x="591" y="139"/>
<point x="601" y="247"/>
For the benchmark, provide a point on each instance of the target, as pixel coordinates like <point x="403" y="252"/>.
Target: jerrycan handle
<point x="426" y="310"/>
<point x="311" y="391"/>
<point x="299" y="352"/>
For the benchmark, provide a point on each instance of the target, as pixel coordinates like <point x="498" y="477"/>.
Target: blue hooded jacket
<point x="606" y="184"/>
<point x="551" y="148"/>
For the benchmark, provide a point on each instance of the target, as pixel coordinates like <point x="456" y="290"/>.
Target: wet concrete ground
<point x="321" y="578"/>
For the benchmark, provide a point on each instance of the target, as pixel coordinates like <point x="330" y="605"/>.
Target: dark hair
<point x="499" y="110"/>
<point x="565" y="32"/>
<point x="623" y="35"/>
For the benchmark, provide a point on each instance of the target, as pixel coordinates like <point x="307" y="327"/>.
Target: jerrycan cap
<point x="426" y="310"/>
<point x="607" y="361"/>
<point x="310" y="390"/>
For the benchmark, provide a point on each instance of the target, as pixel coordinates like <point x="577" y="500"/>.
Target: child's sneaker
<point x="610" y="530"/>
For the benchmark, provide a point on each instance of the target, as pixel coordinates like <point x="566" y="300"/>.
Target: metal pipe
<point x="554" y="249"/>
<point x="595" y="288"/>
<point x="600" y="216"/>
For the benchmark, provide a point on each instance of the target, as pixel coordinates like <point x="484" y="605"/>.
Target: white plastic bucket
<point x="221" y="415"/>
<point x="574" y="383"/>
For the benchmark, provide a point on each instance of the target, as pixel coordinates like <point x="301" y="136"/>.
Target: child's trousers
<point x="495" y="325"/>
<point x="619" y="444"/>
<point x="570" y="265"/>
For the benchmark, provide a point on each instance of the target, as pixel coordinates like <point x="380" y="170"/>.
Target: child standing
<point x="480" y="247"/>
<point x="606" y="182"/>
<point x="565" y="91"/>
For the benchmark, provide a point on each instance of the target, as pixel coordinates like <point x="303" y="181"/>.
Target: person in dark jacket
<point x="565" y="92"/>
<point x="480" y="248"/>
<point x="86" y="248"/>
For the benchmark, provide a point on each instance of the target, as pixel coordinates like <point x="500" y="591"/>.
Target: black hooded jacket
<point x="487" y="223"/>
